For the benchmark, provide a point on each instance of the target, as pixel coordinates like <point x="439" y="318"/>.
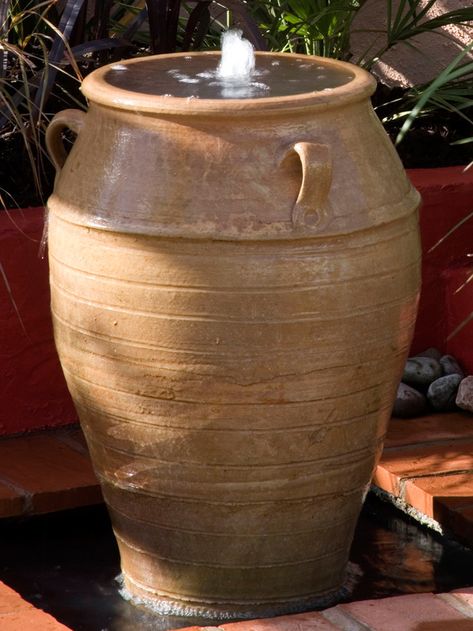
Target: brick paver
<point x="427" y="463"/>
<point x="313" y="621"/>
<point x="416" y="612"/>
<point x="438" y="495"/>
<point x="465" y="594"/>
<point x="408" y="613"/>
<point x="432" y="429"/>
<point x="11" y="501"/>
<point x="18" y="615"/>
<point x="46" y="472"/>
<point x="413" y="612"/>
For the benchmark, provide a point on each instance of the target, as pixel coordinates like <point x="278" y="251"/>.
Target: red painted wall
<point x="33" y="392"/>
<point x="447" y="296"/>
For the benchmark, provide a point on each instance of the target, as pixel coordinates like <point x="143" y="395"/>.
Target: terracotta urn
<point x="234" y="287"/>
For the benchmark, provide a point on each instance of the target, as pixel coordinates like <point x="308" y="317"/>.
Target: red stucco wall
<point x="447" y="296"/>
<point x="33" y="393"/>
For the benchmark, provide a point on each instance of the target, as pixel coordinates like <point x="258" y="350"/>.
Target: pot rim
<point x="98" y="90"/>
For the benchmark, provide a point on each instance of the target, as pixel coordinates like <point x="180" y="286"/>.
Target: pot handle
<point x="66" y="119"/>
<point x="311" y="204"/>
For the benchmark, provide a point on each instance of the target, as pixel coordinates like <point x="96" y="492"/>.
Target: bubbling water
<point x="238" y="57"/>
<point x="236" y="71"/>
<point x="235" y="76"/>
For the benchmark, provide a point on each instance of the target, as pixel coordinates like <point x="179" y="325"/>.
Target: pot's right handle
<point x="67" y="119"/>
<point x="311" y="204"/>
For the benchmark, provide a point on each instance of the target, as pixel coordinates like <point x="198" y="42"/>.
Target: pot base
<point x="164" y="606"/>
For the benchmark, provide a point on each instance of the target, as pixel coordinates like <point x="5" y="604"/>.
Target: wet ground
<point x="67" y="564"/>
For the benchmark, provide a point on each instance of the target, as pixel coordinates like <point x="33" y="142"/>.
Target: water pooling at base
<point x="197" y="76"/>
<point x="66" y="563"/>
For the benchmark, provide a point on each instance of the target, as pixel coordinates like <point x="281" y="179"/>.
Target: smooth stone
<point x="443" y="391"/>
<point x="421" y="371"/>
<point x="409" y="402"/>
<point x="450" y="366"/>
<point x="465" y="394"/>
<point x="432" y="352"/>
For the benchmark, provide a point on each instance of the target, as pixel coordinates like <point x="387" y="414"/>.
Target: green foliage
<point x="407" y="19"/>
<point x="313" y="27"/>
<point x="452" y="91"/>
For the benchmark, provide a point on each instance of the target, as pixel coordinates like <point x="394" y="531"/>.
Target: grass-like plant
<point x="36" y="61"/>
<point x="312" y="27"/>
<point x="47" y="45"/>
<point x="451" y="90"/>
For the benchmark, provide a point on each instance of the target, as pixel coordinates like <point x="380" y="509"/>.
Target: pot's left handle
<point x="67" y="119"/>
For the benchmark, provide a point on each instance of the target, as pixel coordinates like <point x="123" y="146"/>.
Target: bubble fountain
<point x="234" y="266"/>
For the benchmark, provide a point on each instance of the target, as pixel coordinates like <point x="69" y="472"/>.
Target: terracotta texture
<point x="234" y="286"/>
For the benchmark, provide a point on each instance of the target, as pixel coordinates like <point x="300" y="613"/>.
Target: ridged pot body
<point x="233" y="367"/>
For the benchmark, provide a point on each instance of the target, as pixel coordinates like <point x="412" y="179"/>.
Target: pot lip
<point x="97" y="90"/>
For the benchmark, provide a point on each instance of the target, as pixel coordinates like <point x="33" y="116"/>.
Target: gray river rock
<point x="432" y="352"/>
<point x="443" y="391"/>
<point x="450" y="366"/>
<point x="465" y="394"/>
<point x="421" y="371"/>
<point x="409" y="402"/>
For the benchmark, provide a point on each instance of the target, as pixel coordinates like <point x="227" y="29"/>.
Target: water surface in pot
<point x="197" y="76"/>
